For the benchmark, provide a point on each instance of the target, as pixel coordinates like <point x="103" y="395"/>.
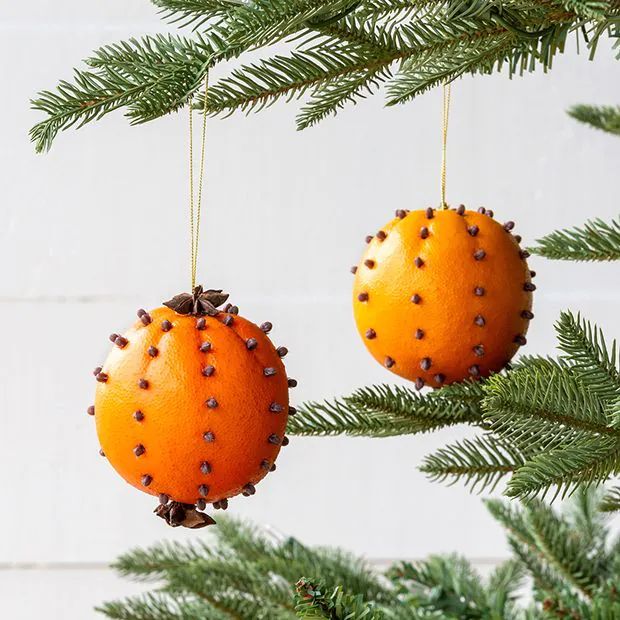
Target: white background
<point x="98" y="228"/>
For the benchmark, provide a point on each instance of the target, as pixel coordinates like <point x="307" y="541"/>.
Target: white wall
<point x="98" y="228"/>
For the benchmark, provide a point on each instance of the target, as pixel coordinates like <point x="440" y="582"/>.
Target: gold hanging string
<point x="444" y="141"/>
<point x="195" y="205"/>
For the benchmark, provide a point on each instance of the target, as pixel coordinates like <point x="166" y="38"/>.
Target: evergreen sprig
<point x="603" y="117"/>
<point x="595" y="241"/>
<point x="570" y="558"/>
<point x="550" y="425"/>
<point x="340" y="52"/>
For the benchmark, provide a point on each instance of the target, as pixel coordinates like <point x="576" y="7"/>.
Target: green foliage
<point x="570" y="558"/>
<point x="596" y="241"/>
<point x="340" y="51"/>
<point x="551" y="425"/>
<point x="602" y="117"/>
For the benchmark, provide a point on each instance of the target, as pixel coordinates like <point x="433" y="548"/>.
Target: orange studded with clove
<point x="194" y="405"/>
<point x="443" y="295"/>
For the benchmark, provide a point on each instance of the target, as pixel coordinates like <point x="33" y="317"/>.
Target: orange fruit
<point x="443" y="295"/>
<point x="192" y="407"/>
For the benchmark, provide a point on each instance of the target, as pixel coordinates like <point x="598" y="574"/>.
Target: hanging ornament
<point x="192" y="402"/>
<point x="443" y="295"/>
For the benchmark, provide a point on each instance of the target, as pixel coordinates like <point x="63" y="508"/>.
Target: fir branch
<point x="156" y="606"/>
<point x="610" y="502"/>
<point x="315" y="600"/>
<point x="383" y="411"/>
<point x="587" y="353"/>
<point x="480" y="462"/>
<point x="151" y="76"/>
<point x="596" y="241"/>
<point x="566" y="553"/>
<point x="195" y="13"/>
<point x="589" y="461"/>
<point x="606" y="118"/>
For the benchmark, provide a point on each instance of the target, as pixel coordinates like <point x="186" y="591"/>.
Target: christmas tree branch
<point x="342" y="50"/>
<point x="383" y="411"/>
<point x="596" y="241"/>
<point x="314" y="600"/>
<point x="606" y="118"/>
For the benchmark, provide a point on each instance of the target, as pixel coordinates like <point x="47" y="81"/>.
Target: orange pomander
<point x="443" y="295"/>
<point x="192" y="404"/>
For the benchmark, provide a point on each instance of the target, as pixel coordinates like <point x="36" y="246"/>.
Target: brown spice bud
<point x="368" y="238"/>
<point x="401" y="214"/>
<point x="285" y="441"/>
<point x="482" y="210"/>
<point x="211" y="403"/>
<point x="381" y="235"/>
<point x="479" y="350"/>
<point x="479" y="254"/>
<point x="121" y="342"/>
<point x="201" y="323"/>
<point x="91" y="410"/>
<point x="146" y="480"/>
<point x="113" y="337"/>
<point x="163" y="499"/>
<point x="166" y="325"/>
<point x="480" y="320"/>
<point x="234" y="310"/>
<point x="101" y="452"/>
<point x="526" y="314"/>
<point x="423" y="232"/>
<point x="143" y="384"/>
<point x="282" y="351"/>
<point x="532" y="274"/>
<point x="354" y="269"/>
<point x="461" y="210"/>
<point x="153" y="351"/>
<point x="292" y="411"/>
<point x="208" y="371"/>
<point x="419" y="383"/>
<point x="425" y="363"/>
<point x="251" y="344"/>
<point x="529" y="287"/>
<point x="141" y="312"/>
<point x="363" y="297"/>
<point x="439" y="378"/>
<point x="419" y="334"/>
<point x="416" y="299"/>
<point x="276" y="408"/>
<point x="292" y="383"/>
<point x="274" y="439"/>
<point x="418" y="262"/>
<point x="209" y="437"/>
<point x="205" y="347"/>
<point x="389" y="362"/>
<point x="524" y="254"/>
<point x="139" y="450"/>
<point x="201" y="504"/>
<point x="269" y="371"/>
<point x="508" y="226"/>
<point x="203" y="489"/>
<point x="371" y="334"/>
<point x="266" y="327"/>
<point x="369" y="263"/>
<point x="146" y="319"/>
<point x="102" y="377"/>
<point x="265" y="464"/>
<point x="228" y="320"/>
<point x="138" y="416"/>
<point x="489" y="213"/>
<point x="429" y="213"/>
<point x="249" y="489"/>
<point x="97" y="370"/>
<point x="479" y="291"/>
<point x="474" y="370"/>
<point x="518" y="238"/>
<point x="205" y="467"/>
<point x="520" y="340"/>
<point x="473" y="230"/>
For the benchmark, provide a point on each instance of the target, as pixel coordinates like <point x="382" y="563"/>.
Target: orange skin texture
<point x="175" y="412"/>
<point x="448" y="305"/>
